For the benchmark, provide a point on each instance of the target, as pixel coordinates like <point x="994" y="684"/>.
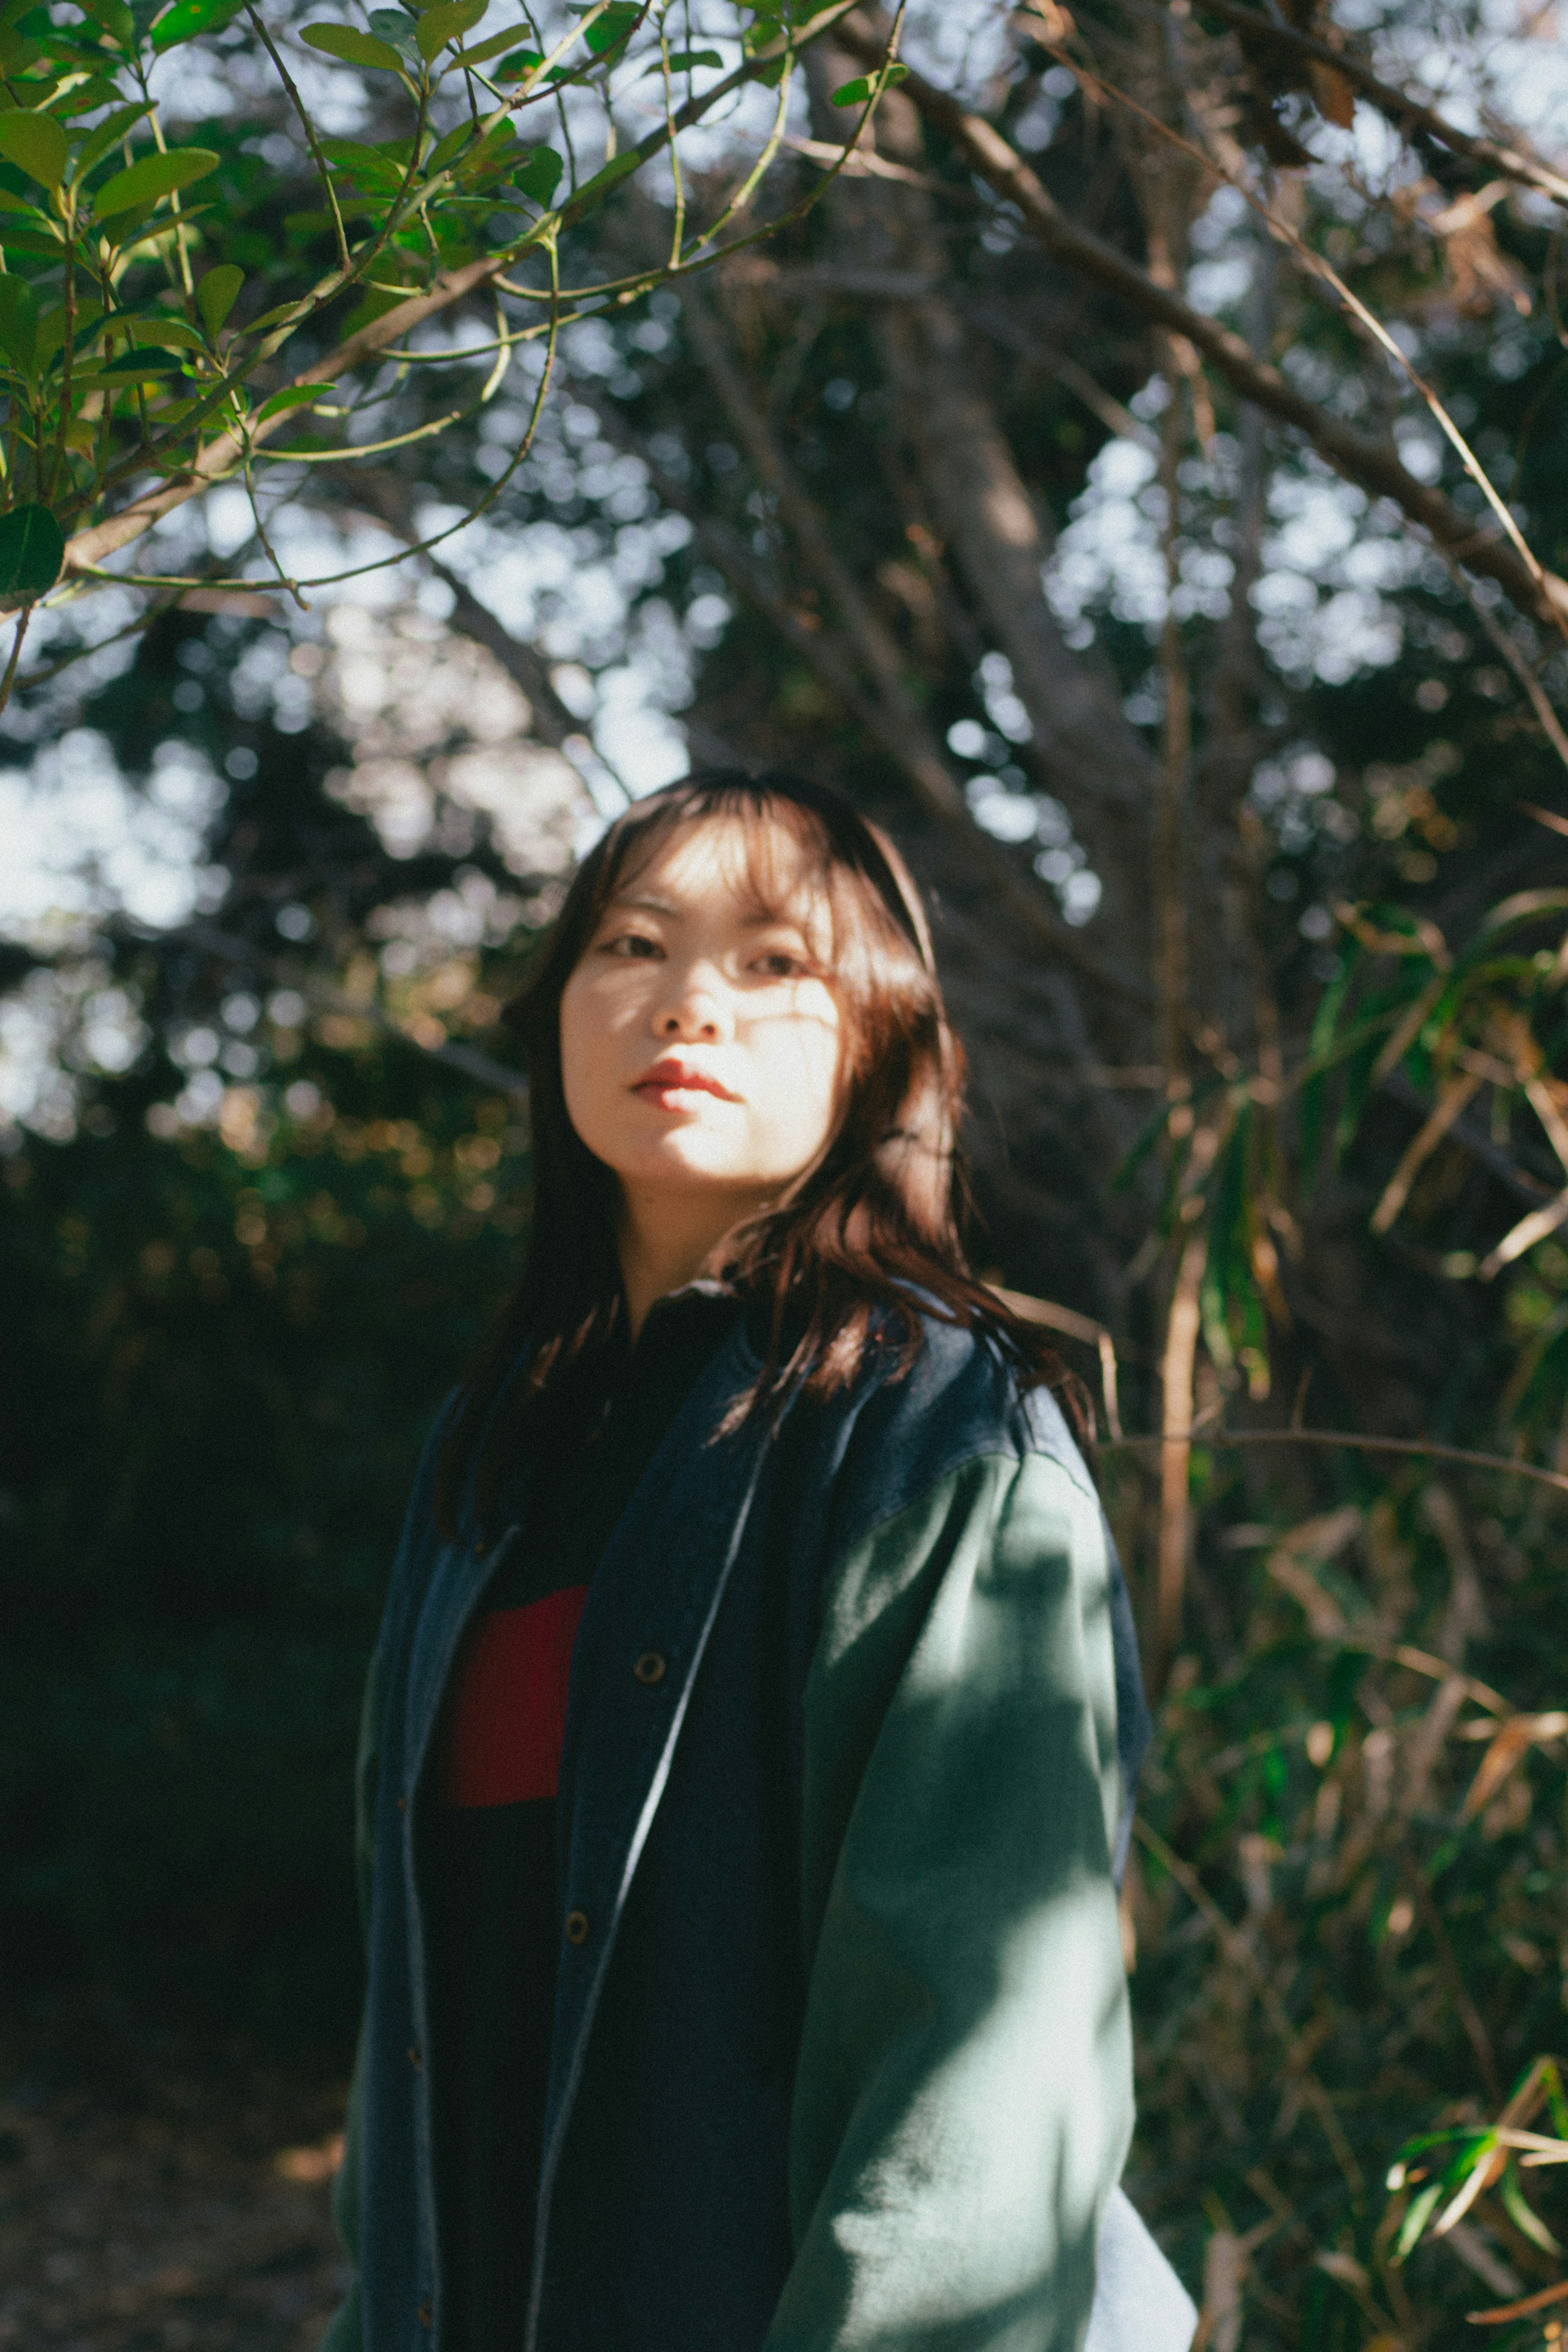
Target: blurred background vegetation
<point x="1238" y="793"/>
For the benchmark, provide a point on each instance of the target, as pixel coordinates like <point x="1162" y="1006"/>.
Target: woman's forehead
<point x="756" y="865"/>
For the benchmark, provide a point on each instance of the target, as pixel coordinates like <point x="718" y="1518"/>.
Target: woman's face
<point x="701" y="1037"/>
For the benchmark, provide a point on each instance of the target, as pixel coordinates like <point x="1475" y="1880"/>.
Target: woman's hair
<point x="862" y="1242"/>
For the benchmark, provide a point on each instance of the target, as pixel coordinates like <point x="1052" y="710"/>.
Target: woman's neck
<point x="665" y="1241"/>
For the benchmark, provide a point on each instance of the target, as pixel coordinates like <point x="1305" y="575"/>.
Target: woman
<point x="750" y="1742"/>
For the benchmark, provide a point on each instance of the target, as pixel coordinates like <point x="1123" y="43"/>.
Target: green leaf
<point x="1416" y="2219"/>
<point x="352" y="48"/>
<point x="855" y="93"/>
<point x="18" y="321"/>
<point x="539" y="174"/>
<point x="151" y="177"/>
<point x="32" y="550"/>
<point x="22" y="240"/>
<point x="608" y="32"/>
<point x="36" y="141"/>
<point x="114" y="16"/>
<point x="168" y="334"/>
<point x="520" y="62"/>
<point x="1523" y="2216"/>
<point x="496" y="152"/>
<point x="491" y="48"/>
<point x="396" y="25"/>
<point x="446" y="22"/>
<point x="293" y="396"/>
<point x="110" y="131"/>
<point x="382" y="174"/>
<point x="216" y="294"/>
<point x="188" y="17"/>
<point x="593" y="192"/>
<point x="682" y="60"/>
<point x="141" y="362"/>
<point x="85" y="98"/>
<point x="442" y="153"/>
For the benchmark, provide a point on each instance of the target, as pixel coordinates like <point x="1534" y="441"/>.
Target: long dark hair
<point x="836" y="1265"/>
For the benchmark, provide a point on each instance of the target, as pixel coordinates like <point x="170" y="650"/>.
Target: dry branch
<point x="933" y="786"/>
<point x="1397" y="106"/>
<point x="1372" y="466"/>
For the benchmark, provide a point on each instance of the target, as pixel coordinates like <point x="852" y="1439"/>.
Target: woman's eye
<point x="634" y="946"/>
<point x="778" y="964"/>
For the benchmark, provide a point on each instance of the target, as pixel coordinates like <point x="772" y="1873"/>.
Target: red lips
<point x="671" y="1074"/>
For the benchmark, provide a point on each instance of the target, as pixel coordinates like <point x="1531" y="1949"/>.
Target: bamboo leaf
<point x="1415" y="2220"/>
<point x="1523" y="2215"/>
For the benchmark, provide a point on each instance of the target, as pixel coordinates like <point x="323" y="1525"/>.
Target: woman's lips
<point x="676" y="1085"/>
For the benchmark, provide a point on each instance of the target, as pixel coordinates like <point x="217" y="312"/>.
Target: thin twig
<point x="1396" y="106"/>
<point x="1374" y="325"/>
<point x="1374" y="464"/>
<point x="1424" y="1448"/>
<point x="1239" y="1951"/>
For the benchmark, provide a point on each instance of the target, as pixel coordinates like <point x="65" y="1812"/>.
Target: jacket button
<point x="425" y="2317"/>
<point x="577" y="1926"/>
<point x="415" y="2060"/>
<point x="650" y="1668"/>
<point x="403" y="1804"/>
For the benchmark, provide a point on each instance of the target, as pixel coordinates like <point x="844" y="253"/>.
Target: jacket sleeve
<point x="963" y="2099"/>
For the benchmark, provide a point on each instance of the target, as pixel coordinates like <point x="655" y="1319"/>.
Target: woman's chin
<point x="679" y="1164"/>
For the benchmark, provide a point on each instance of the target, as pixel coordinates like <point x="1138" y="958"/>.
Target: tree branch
<point x="1373" y="465"/>
<point x="86" y="548"/>
<point x="931" y="786"/>
<point x="1396" y="105"/>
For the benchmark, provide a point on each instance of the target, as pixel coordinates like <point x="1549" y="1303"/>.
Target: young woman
<point x="751" y="1737"/>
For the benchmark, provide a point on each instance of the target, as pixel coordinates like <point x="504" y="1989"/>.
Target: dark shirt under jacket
<point x="489" y="1832"/>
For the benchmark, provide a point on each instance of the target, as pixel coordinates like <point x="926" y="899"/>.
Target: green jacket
<point x="843" y="2064"/>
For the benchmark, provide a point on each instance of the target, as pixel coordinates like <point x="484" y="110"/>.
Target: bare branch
<point x="1373" y="465"/>
<point x="929" y="780"/>
<point x="1396" y="105"/>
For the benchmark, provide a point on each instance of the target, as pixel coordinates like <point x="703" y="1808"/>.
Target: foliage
<point x="1347" y="1897"/>
<point x="770" y="496"/>
<point x="140" y="318"/>
<point x="233" y="1348"/>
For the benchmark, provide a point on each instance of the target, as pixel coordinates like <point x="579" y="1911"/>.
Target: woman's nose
<point x="694" y="1009"/>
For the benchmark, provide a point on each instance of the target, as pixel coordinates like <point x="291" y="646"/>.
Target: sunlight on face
<point x="700" y="1033"/>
